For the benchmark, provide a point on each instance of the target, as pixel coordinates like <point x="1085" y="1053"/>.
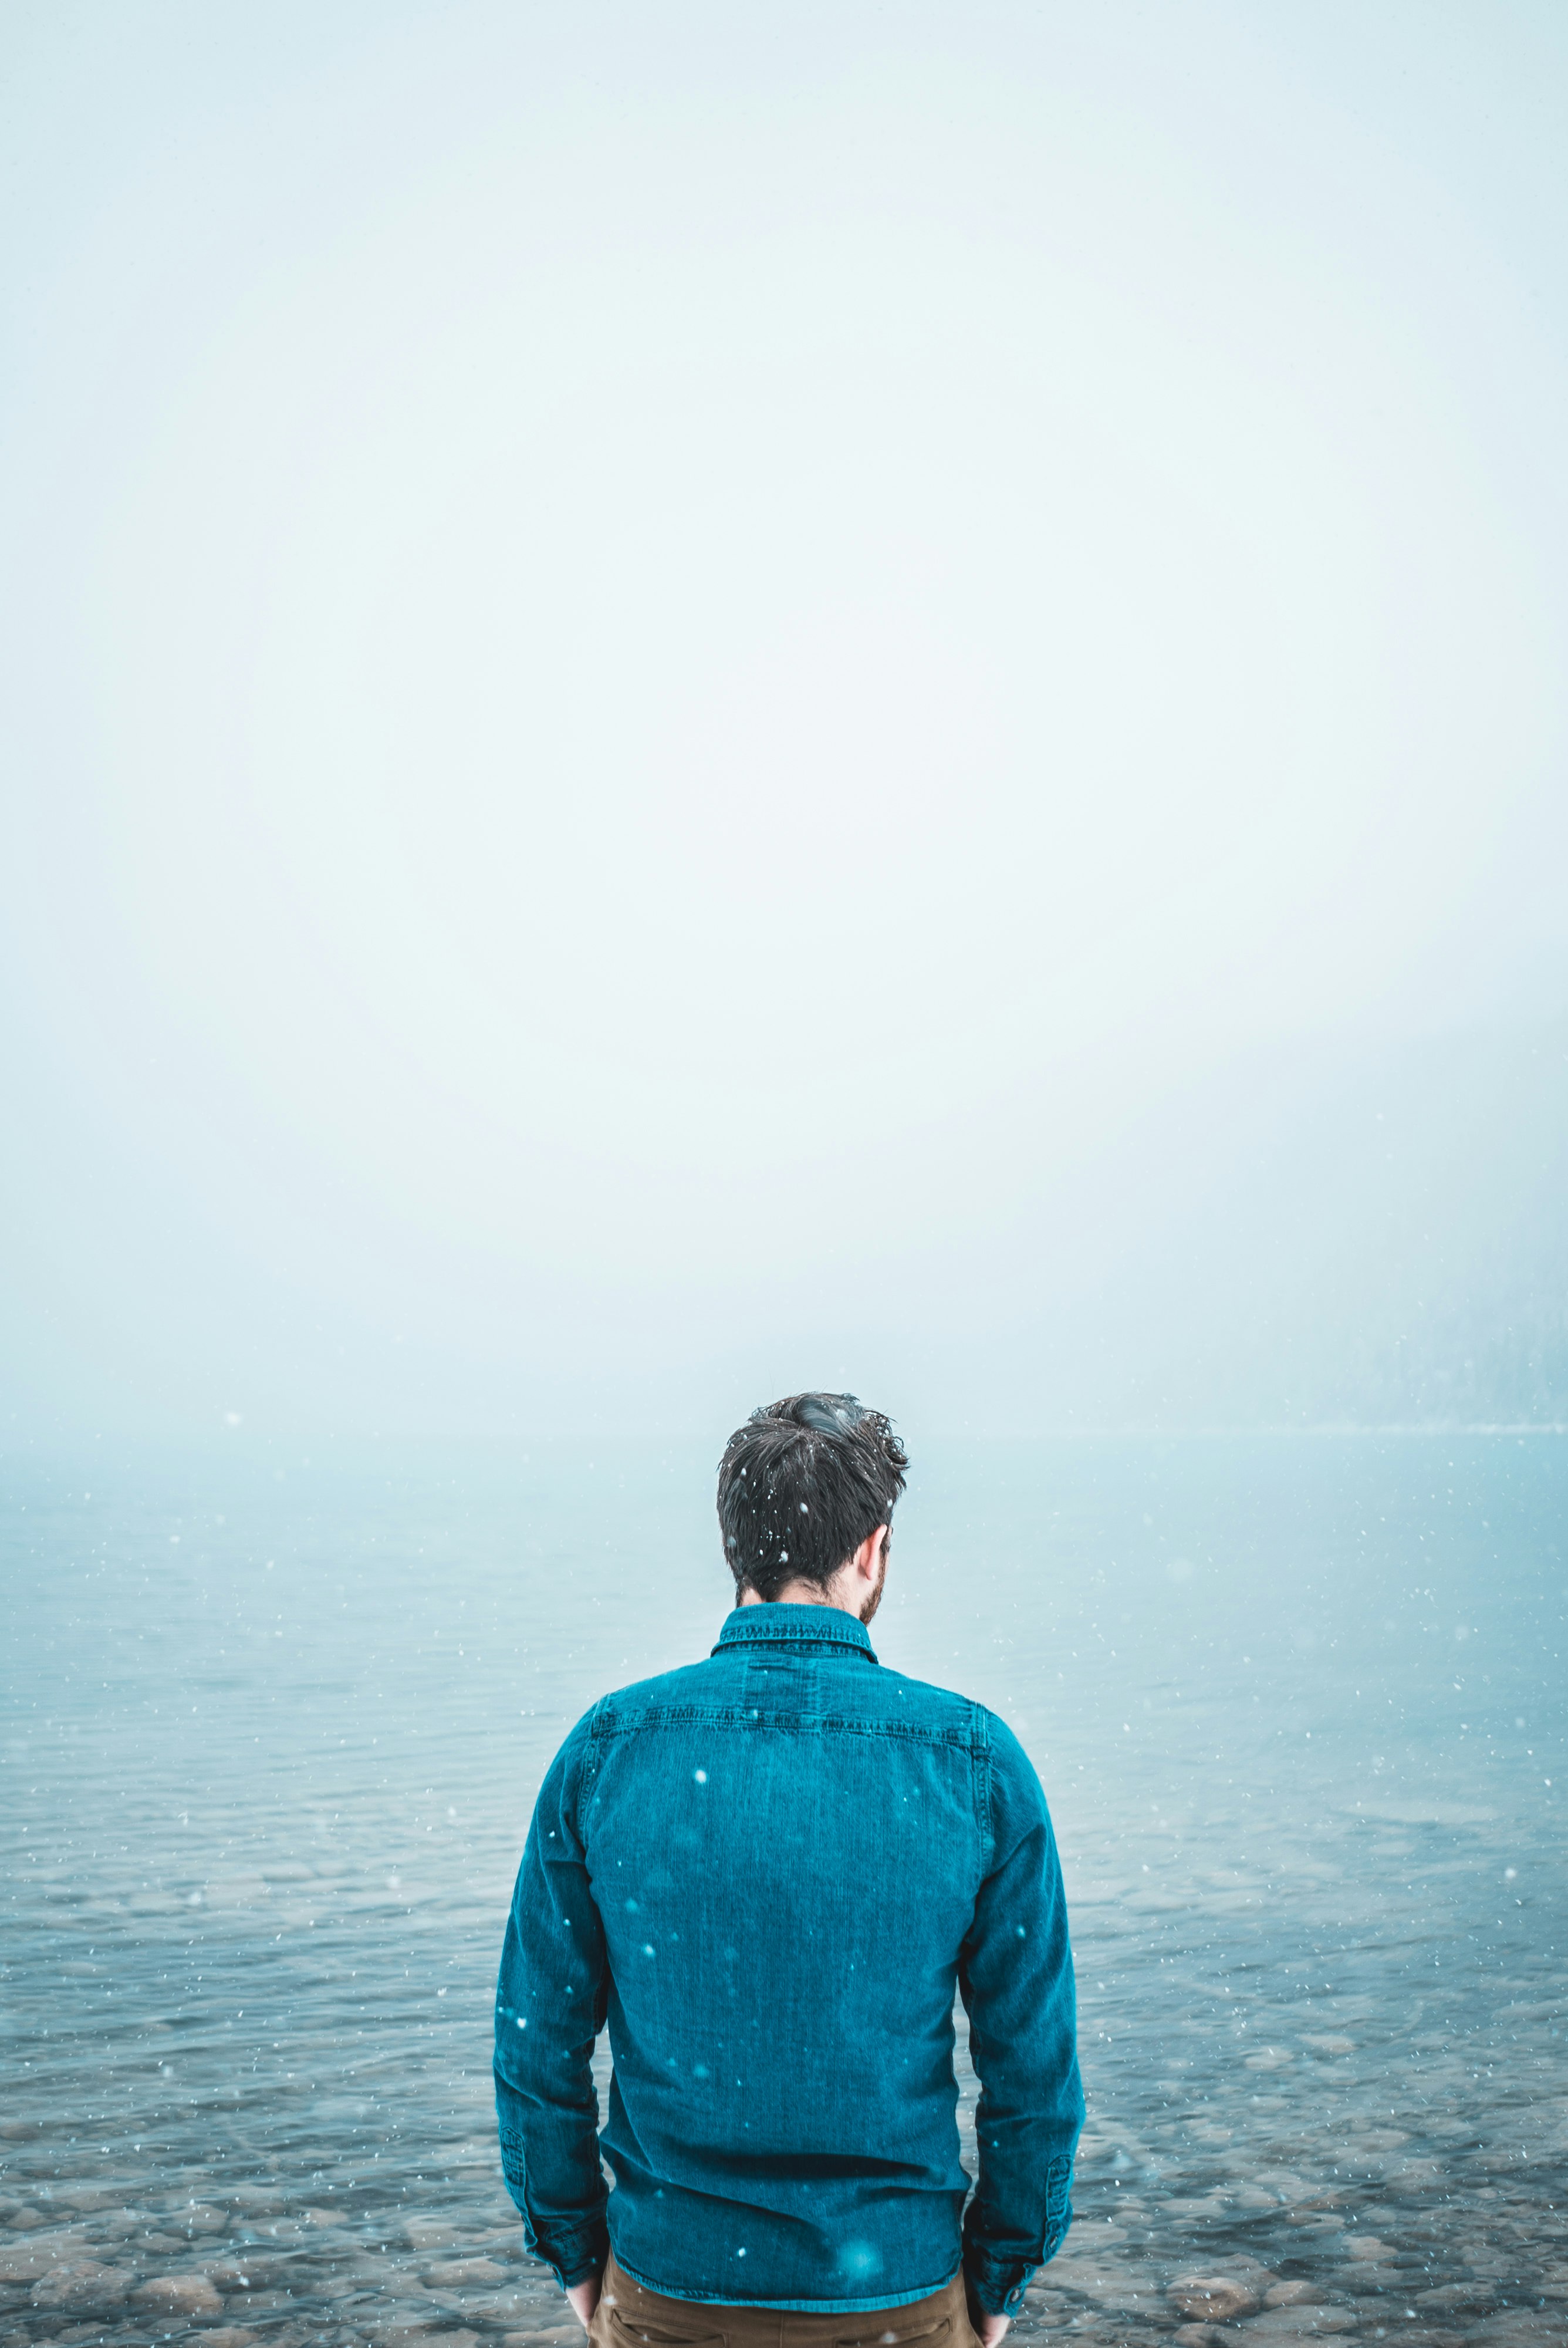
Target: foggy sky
<point x="704" y="699"/>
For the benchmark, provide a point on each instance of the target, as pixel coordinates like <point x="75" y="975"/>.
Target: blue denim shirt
<point x="769" y="1871"/>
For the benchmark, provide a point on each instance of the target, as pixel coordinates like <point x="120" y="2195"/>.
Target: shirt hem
<point x="791" y="2306"/>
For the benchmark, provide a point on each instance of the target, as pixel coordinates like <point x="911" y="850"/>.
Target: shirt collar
<point x="794" y="1626"/>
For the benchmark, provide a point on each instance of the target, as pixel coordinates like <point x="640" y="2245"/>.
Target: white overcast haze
<point x="703" y="698"/>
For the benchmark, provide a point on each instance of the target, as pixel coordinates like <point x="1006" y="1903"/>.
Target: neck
<point x="805" y="1593"/>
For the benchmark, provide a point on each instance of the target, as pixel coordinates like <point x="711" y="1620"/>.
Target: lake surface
<point x="272" y="1727"/>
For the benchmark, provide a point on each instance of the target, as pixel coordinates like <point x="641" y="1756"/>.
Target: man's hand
<point x="584" y="2297"/>
<point x="989" y="2330"/>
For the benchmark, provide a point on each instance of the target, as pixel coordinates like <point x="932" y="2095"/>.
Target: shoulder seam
<point x="981" y="1747"/>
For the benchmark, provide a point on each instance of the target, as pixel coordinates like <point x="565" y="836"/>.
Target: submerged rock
<point x="451" y="2274"/>
<point x="80" y="2286"/>
<point x="23" y="2266"/>
<point x="1214" y="2297"/>
<point x="178" y="2295"/>
<point x="197" y="2219"/>
<point x="240" y="2274"/>
<point x="1306" y="2321"/>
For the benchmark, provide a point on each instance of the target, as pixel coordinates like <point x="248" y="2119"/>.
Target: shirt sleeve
<point x="1015" y="1976"/>
<point x="551" y="2005"/>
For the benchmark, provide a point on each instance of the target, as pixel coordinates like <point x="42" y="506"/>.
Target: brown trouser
<point x="628" y="2316"/>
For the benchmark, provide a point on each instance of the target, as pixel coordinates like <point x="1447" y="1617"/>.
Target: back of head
<point x="800" y="1485"/>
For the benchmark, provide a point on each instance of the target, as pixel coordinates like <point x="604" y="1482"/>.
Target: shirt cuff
<point x="575" y="2253"/>
<point x="996" y="2285"/>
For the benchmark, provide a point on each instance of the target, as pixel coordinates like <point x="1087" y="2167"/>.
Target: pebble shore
<point x="1236" y="2263"/>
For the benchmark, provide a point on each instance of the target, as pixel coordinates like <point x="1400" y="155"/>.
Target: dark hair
<point x="801" y="1485"/>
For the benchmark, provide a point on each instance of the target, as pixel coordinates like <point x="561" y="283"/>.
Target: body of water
<point x="272" y="1727"/>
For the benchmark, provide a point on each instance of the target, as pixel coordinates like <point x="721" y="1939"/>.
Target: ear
<point x="864" y="1564"/>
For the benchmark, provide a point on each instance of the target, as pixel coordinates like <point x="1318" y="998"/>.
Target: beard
<point x="874" y="1601"/>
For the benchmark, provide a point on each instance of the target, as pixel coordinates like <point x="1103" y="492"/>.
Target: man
<point x="770" y="1872"/>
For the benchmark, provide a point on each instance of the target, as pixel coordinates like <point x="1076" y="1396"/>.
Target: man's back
<point x="769" y="1871"/>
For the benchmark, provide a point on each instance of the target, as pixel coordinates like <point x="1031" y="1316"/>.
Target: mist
<point x="700" y="702"/>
